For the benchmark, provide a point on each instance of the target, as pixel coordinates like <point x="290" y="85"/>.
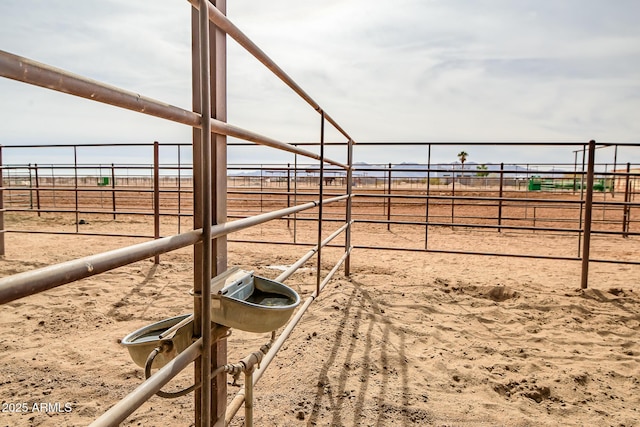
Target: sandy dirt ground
<point x="409" y="339"/>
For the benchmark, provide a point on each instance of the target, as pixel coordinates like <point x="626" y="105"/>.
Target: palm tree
<point x="462" y="156"/>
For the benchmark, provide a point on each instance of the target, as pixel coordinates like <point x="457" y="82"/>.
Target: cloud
<point x="411" y="70"/>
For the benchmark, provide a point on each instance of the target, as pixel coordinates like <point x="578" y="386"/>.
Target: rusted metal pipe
<point x="39" y="74"/>
<point x="627" y="199"/>
<point x="588" y="208"/>
<point x="31" y="282"/>
<point x="288" y="191"/>
<point x="113" y="190"/>
<point x="156" y="195"/>
<point x="427" y="197"/>
<point x="75" y="185"/>
<point x="205" y="206"/>
<point x="580" y="216"/>
<point x="500" y="196"/>
<point x="35" y="170"/>
<point x="388" y="199"/>
<point x="455" y="252"/>
<point x="453" y="195"/>
<point x="196" y="141"/>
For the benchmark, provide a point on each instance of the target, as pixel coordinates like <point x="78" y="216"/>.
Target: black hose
<point x="165" y="394"/>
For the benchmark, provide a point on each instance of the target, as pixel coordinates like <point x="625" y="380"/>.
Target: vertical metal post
<point x="526" y="205"/>
<point x="210" y="258"/>
<point x="295" y="197"/>
<point x="113" y="190"/>
<point x="426" y="215"/>
<point x="248" y="398"/>
<point x="575" y="170"/>
<point x="75" y="182"/>
<point x="218" y="44"/>
<point x="320" y="206"/>
<point x="206" y="184"/>
<point x="35" y="169"/>
<point x="197" y="207"/>
<point x="627" y="199"/>
<point x="587" y="215"/>
<point x="500" y="192"/>
<point x="261" y="187"/>
<point x="453" y="195"/>
<point x="288" y="192"/>
<point x="30" y="187"/>
<point x="179" y="190"/>
<point x="205" y="260"/>
<point x="584" y="152"/>
<point x="604" y="191"/>
<point x="347" y="237"/>
<point x="1" y="204"/>
<point x="53" y="186"/>
<point x="156" y="195"/>
<point x="615" y="165"/>
<point x="389" y="198"/>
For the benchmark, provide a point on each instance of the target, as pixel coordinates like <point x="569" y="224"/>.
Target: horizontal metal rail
<point x="79" y="233"/>
<point x="417" y="197"/>
<point x="292" y="269"/>
<point x="28" y="71"/>
<point x="616" y="233"/>
<point x="127" y="406"/>
<point x="471" y="143"/>
<point x="86" y="189"/>
<point x="462" y="225"/>
<point x="32" y="282"/>
<point x="469" y="198"/>
<point x="238" y="399"/>
<point x="450" y="225"/>
<point x="466" y="173"/>
<point x="274" y="242"/>
<point x="502" y="143"/>
<point x="98" y="144"/>
<point x="456" y="252"/>
<point x="93" y="212"/>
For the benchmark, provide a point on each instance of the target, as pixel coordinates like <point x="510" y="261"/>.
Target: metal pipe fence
<point x="554" y="203"/>
<point x="425" y="197"/>
<point x="208" y="119"/>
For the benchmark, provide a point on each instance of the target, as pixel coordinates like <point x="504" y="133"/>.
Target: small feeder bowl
<point x="177" y="331"/>
<point x="251" y="303"/>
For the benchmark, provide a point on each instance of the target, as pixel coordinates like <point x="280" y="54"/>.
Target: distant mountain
<point x="405" y="170"/>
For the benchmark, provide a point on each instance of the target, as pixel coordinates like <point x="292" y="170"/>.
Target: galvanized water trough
<point x="239" y="300"/>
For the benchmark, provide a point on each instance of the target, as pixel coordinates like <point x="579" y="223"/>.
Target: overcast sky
<point x="409" y="70"/>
